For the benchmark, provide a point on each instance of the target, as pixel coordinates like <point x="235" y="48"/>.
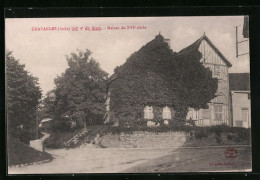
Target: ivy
<point x="157" y="76"/>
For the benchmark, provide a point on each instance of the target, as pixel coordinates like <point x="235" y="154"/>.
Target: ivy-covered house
<point x="156" y="84"/>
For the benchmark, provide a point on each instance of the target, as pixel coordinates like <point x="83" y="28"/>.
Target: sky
<point x="44" y="51"/>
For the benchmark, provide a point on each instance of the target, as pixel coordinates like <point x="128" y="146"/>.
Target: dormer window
<point x="148" y="112"/>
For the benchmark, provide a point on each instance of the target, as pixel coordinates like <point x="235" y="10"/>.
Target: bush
<point x="58" y="138"/>
<point x="201" y="133"/>
<point x="62" y="125"/>
<point x="242" y="135"/>
<point x="23" y="135"/>
<point x="219" y="135"/>
<point x="230" y="137"/>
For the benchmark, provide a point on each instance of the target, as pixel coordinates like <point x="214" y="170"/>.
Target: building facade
<point x="240" y="99"/>
<point x="218" y="108"/>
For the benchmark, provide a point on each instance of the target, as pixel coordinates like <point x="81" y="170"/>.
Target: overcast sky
<point x="43" y="52"/>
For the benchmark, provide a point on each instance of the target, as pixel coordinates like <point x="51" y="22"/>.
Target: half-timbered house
<point x="218" y="108"/>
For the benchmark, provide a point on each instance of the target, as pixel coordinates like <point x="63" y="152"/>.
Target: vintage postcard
<point x="128" y="95"/>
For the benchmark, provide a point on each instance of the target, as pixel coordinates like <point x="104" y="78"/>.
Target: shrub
<point x="230" y="137"/>
<point x="61" y="125"/>
<point x="218" y="137"/>
<point x="201" y="133"/>
<point x="58" y="138"/>
<point x="23" y="135"/>
<point x="242" y="135"/>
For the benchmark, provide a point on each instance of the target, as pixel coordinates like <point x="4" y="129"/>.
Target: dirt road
<point x="89" y="159"/>
<point x="210" y="159"/>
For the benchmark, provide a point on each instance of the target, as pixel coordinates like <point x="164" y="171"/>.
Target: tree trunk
<point x="85" y="126"/>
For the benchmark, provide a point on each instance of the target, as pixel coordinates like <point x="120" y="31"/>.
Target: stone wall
<point x="143" y="139"/>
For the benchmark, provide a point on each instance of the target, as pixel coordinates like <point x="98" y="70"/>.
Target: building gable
<point x="205" y="42"/>
<point x="210" y="55"/>
<point x="220" y="55"/>
<point x="212" y="60"/>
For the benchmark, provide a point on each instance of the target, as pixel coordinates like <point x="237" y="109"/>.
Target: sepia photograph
<point x="164" y="94"/>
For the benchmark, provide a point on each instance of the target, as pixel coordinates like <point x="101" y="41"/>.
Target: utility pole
<point x="236" y="43"/>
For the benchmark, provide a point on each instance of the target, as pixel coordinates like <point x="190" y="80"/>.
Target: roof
<point x="196" y="45"/>
<point x="184" y="51"/>
<point x="239" y="81"/>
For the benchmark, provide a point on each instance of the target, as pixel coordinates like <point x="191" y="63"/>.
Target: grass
<point x="20" y="153"/>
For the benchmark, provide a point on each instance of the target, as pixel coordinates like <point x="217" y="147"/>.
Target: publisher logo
<point x="231" y="153"/>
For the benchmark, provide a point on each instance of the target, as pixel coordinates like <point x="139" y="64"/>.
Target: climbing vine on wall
<point x="157" y="76"/>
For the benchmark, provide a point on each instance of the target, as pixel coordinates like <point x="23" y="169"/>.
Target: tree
<point x="80" y="90"/>
<point x="22" y="96"/>
<point x="155" y="75"/>
<point x="47" y="110"/>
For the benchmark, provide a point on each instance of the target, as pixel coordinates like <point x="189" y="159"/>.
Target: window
<point x="167" y="113"/>
<point x="216" y="70"/>
<point x="244" y="114"/>
<point x="205" y="114"/>
<point x="218" y="112"/>
<point x="239" y="123"/>
<point x="148" y="112"/>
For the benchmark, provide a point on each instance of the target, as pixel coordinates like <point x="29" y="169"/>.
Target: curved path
<point x="89" y="159"/>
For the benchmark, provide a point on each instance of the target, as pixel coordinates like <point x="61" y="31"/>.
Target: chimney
<point x="168" y="41"/>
